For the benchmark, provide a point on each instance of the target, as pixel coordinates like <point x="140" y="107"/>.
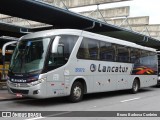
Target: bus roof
<point x="85" y="34"/>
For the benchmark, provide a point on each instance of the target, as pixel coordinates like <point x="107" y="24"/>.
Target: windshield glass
<point x="29" y="55"/>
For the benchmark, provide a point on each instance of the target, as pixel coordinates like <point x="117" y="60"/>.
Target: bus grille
<point x="19" y="91"/>
<point x="20" y="85"/>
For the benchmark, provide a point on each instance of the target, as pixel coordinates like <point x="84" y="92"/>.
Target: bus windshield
<point x="29" y="55"/>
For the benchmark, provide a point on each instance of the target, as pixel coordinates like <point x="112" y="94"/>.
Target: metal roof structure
<point x="12" y="30"/>
<point x="6" y="40"/>
<point x="61" y="18"/>
<point x="9" y="32"/>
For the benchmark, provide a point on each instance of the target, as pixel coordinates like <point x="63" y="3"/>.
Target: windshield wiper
<point x="15" y="61"/>
<point x="23" y="63"/>
<point x="18" y="59"/>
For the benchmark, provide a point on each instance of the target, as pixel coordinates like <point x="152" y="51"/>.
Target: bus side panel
<point x="55" y="83"/>
<point x="105" y="83"/>
<point x="124" y="82"/>
<point x="147" y="80"/>
<point x="102" y="76"/>
<point x="78" y="70"/>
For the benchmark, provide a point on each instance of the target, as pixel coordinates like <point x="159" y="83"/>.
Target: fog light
<point x="36" y="92"/>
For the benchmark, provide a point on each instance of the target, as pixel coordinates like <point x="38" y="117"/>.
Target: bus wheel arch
<point x="78" y="89"/>
<point x="135" y="85"/>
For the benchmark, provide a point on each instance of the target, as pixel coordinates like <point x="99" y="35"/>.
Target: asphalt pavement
<point x="5" y="95"/>
<point x="146" y="99"/>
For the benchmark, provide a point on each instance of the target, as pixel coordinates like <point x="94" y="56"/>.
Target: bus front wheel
<point x="135" y="86"/>
<point x="76" y="94"/>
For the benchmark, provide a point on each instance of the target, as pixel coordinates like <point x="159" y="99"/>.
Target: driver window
<point x="65" y="47"/>
<point x="57" y="58"/>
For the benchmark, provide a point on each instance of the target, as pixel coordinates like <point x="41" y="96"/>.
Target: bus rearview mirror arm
<point x="55" y="44"/>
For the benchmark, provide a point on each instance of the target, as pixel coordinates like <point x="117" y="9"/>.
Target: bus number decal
<point x="79" y="70"/>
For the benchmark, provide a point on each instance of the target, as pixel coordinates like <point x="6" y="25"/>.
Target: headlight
<point x="37" y="82"/>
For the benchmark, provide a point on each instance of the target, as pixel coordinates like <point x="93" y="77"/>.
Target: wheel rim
<point x="77" y="92"/>
<point x="135" y="86"/>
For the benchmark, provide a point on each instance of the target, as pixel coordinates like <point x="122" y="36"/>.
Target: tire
<point x="77" y="92"/>
<point x="135" y="86"/>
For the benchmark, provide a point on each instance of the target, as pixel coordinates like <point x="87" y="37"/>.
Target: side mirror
<point x="55" y="44"/>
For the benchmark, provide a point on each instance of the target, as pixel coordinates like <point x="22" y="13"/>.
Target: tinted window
<point x="89" y="49"/>
<point x="64" y="50"/>
<point x="122" y="54"/>
<point x="94" y="50"/>
<point x="107" y="51"/>
<point x="68" y="42"/>
<point x="99" y="50"/>
<point x="145" y="59"/>
<point x="135" y="55"/>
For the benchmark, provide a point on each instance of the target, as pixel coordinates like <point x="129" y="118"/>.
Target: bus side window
<point x="122" y="54"/>
<point x="89" y="49"/>
<point x="83" y="52"/>
<point x="107" y="51"/>
<point x="93" y="46"/>
<point x="135" y="56"/>
<point x="145" y="58"/>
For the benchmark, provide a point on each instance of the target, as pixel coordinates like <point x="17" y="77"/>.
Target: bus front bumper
<point x="23" y="89"/>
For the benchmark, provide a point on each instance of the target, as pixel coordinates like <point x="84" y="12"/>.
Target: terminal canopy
<point x="9" y="32"/>
<point x="61" y="18"/>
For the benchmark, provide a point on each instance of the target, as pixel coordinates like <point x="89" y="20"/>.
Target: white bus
<point x="158" y="55"/>
<point x="68" y="62"/>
